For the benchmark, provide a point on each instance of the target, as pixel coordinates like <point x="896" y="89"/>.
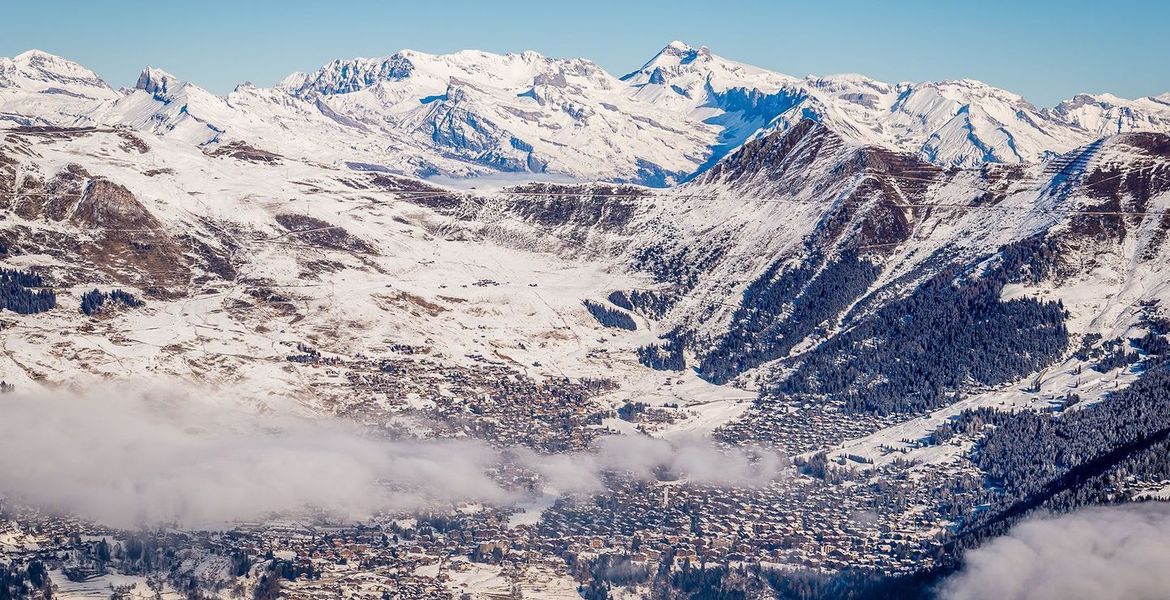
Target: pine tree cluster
<point x="781" y="308"/>
<point x="17" y="296"/>
<point x="93" y="300"/>
<point x="610" y="317"/>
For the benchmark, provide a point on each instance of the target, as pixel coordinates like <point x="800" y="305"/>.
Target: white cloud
<point x="133" y="457"/>
<point x="1119" y="552"/>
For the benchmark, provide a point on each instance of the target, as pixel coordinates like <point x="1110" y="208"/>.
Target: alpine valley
<point x="702" y="330"/>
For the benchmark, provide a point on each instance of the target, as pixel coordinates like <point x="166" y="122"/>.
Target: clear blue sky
<point x="1043" y="49"/>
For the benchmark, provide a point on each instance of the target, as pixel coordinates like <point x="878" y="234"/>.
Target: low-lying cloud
<point x="695" y="460"/>
<point x="132" y="457"/>
<point x="1118" y="552"/>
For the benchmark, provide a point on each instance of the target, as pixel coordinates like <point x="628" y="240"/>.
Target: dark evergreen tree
<point x="125" y="298"/>
<point x="610" y="317"/>
<point x="666" y="356"/>
<point x="91" y="302"/>
<point x="782" y="307"/>
<point x="16" y="295"/>
<point x="952" y="331"/>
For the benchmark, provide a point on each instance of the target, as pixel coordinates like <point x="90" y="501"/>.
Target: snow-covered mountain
<point x="803" y="207"/>
<point x="824" y="280"/>
<point x="790" y="184"/>
<point x="475" y="113"/>
<point x="1105" y="114"/>
<point x="39" y="88"/>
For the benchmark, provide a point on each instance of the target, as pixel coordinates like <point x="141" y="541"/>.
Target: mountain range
<point x="474" y="113"/>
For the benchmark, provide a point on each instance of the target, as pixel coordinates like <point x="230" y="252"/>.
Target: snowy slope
<point x="244" y="258"/>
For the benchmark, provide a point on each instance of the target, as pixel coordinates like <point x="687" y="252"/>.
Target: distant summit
<point x="473" y="113"/>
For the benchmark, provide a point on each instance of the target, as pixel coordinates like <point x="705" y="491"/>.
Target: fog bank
<point x="1117" y="552"/>
<point x="143" y="457"/>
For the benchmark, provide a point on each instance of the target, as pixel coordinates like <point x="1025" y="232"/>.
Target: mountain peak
<point x="34" y="54"/>
<point x="36" y="69"/>
<point x="342" y="76"/>
<point x="691" y="102"/>
<point x="156" y="82"/>
<point x="673" y="58"/>
<point x="51" y="63"/>
<point x="683" y="51"/>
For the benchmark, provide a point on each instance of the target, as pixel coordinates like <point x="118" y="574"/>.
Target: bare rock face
<point x="242" y="151"/>
<point x="107" y="205"/>
<point x="74" y="196"/>
<point x="322" y="233"/>
<point x="50" y="200"/>
<point x="7" y="179"/>
<point x="134" y="247"/>
<point x="116" y="234"/>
